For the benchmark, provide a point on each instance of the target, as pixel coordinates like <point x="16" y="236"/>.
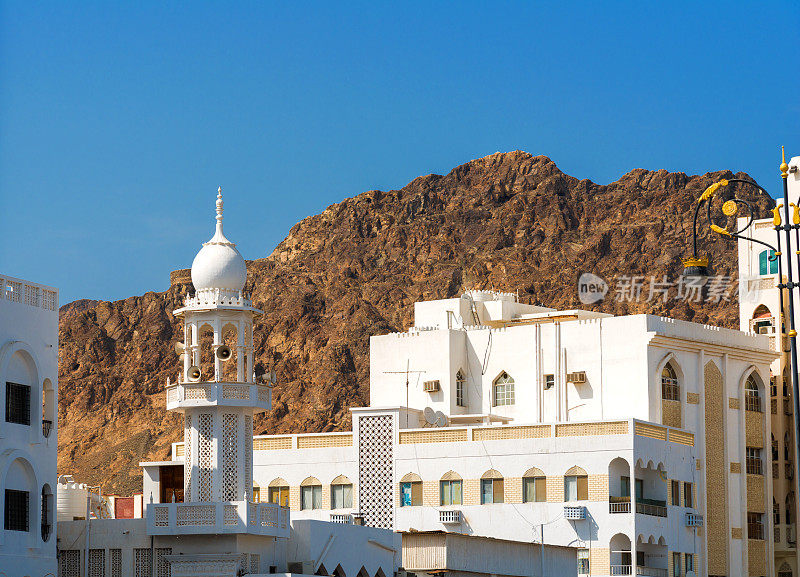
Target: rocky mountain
<point x="510" y="221"/>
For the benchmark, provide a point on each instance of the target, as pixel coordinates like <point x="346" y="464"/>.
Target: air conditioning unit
<point x="576" y="378"/>
<point x="694" y="520"/>
<point x="574" y="513"/>
<point x="430" y="386"/>
<point x="450" y="516"/>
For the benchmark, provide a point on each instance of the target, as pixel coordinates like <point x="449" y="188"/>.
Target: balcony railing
<point x="621" y="569"/>
<point x="217" y="518"/>
<point x="342" y="518"/>
<point x="619" y="505"/>
<point x="47" y="426"/>
<point x="651" y="571"/>
<point x="653" y="509"/>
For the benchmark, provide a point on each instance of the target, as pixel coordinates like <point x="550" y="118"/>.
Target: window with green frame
<point x="765" y="265"/>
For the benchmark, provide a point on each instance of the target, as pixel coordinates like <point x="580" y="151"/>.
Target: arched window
<point x="48" y="407"/>
<point x="461" y="392"/>
<point x="767" y="262"/>
<point x="279" y="492"/>
<point x="503" y="390"/>
<point x="341" y="493"/>
<point x="311" y="494"/>
<point x="411" y="491"/>
<point x="775" y="452"/>
<point x="450" y="489"/>
<point x="47" y="512"/>
<point x="670" y="390"/>
<point x="752" y="398"/>
<point x="576" y="485"/>
<point x="763" y="322"/>
<point x="492" y="488"/>
<point x="534" y="486"/>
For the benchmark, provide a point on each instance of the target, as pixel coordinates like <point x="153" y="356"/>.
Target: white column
<point x="240" y="365"/>
<point x="217" y="342"/>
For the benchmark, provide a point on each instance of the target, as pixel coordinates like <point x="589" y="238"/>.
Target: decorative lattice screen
<point x="142" y="563"/>
<point x="187" y="458"/>
<point x="115" y="560"/>
<point x="162" y="565"/>
<point x="255" y="563"/>
<point x="205" y="440"/>
<point x="376" y="471"/>
<point x="97" y="563"/>
<point x="248" y="456"/>
<point x="69" y="563"/>
<point x="230" y="451"/>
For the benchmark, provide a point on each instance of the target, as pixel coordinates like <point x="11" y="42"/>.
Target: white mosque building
<point x="28" y="399"/>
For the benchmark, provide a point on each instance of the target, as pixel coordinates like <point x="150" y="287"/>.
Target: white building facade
<point x="638" y="440"/>
<point x="760" y="311"/>
<point x="28" y="429"/>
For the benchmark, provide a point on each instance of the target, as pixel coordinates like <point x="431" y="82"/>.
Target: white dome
<point x="219" y="265"/>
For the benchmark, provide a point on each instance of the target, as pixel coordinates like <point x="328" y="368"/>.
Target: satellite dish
<point x="180" y="348"/>
<point x="430" y="416"/>
<point x="441" y="419"/>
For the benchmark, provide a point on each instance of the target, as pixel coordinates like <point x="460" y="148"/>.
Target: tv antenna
<point x="407" y="372"/>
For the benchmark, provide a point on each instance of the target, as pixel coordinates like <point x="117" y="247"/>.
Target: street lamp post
<point x="696" y="267"/>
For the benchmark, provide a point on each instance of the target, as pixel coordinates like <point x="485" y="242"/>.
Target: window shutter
<point x="583" y="488"/>
<point x="497" y="491"/>
<point x="762" y="262"/>
<point x="773" y="264"/>
<point x="540" y="490"/>
<point x="416" y="493"/>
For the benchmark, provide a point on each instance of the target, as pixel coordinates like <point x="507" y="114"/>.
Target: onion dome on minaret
<point x="219" y="265"/>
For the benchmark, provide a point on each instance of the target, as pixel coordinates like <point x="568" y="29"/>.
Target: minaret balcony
<point x="218" y="518"/>
<point x="181" y="396"/>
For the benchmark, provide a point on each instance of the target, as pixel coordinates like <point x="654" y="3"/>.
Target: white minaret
<point x="217" y="392"/>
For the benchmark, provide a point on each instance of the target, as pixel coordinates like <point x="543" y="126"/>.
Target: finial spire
<point x="219" y="236"/>
<point x="784" y="167"/>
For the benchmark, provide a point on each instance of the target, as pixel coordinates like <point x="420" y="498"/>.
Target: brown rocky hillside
<point x="510" y="221"/>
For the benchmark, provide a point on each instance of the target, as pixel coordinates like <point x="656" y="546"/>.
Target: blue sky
<point x="118" y="121"/>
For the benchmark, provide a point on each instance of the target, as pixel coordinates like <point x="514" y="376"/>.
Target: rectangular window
<point x="625" y="486"/>
<point x="688" y="497"/>
<point x="16" y="510"/>
<point x="18" y="404"/>
<point x="688" y="562"/>
<point x="576" y="488"/>
<point x="411" y="494"/>
<point x="676" y="565"/>
<point x="491" y="491"/>
<point x="450" y="492"/>
<point x="503" y="394"/>
<point x="676" y="493"/>
<point x="755" y="526"/>
<point x="765" y="265"/>
<point x="279" y="495"/>
<point x="341" y="496"/>
<point x="549" y="381"/>
<point x="753" y="461"/>
<point x="311" y="497"/>
<point x="583" y="561"/>
<point x="533" y="490"/>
